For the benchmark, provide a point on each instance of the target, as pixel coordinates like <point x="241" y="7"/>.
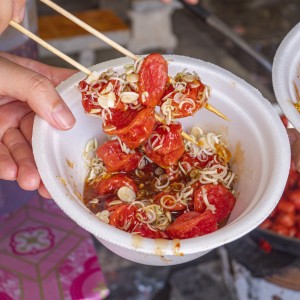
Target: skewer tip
<point x="215" y="111"/>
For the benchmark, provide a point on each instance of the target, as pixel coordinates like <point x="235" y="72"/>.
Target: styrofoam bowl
<point x="255" y="135"/>
<point x="286" y="72"/>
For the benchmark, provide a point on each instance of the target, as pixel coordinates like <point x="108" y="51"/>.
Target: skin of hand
<point x="11" y="10"/>
<point x="27" y="87"/>
<point x="294" y="137"/>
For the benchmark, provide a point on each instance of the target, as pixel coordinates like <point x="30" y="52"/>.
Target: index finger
<point x="35" y="89"/>
<point x="54" y="74"/>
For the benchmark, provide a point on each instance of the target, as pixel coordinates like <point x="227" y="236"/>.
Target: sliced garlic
<point x="107" y="101"/>
<point x="189" y="77"/>
<point x="195" y="85"/>
<point x="114" y="202"/>
<point x="203" y="142"/>
<point x="197" y="132"/>
<point x="94" y="201"/>
<point x="133" y="77"/>
<point x="129" y="97"/>
<point x="145" y="95"/>
<point x="95" y="110"/>
<point x="91" y="145"/>
<point x="92" y="77"/>
<point x="103" y="216"/>
<point x="126" y="194"/>
<point x="159" y="171"/>
<point x="109" y="88"/>
<point x="128" y="69"/>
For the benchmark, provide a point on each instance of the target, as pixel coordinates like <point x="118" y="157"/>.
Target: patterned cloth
<point x="45" y="255"/>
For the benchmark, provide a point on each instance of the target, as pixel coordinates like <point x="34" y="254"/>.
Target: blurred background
<point x="223" y="32"/>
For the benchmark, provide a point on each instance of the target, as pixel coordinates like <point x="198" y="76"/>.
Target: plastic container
<point x="255" y="134"/>
<point x="286" y="74"/>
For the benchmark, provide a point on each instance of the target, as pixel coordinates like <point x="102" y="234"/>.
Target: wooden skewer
<point x="37" y="39"/>
<point x="74" y="63"/>
<point x="110" y="42"/>
<point x="297" y="92"/>
<point x="90" y="29"/>
<point x="183" y="134"/>
<point x="215" y="111"/>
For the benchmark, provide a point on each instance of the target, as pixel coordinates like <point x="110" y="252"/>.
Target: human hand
<point x="294" y="137"/>
<point x="11" y="10"/>
<point x="26" y="88"/>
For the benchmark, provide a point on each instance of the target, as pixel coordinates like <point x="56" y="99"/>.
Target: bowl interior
<point x="286" y="74"/>
<point x="255" y="135"/>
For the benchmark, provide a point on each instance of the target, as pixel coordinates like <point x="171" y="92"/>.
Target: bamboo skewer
<point x="183" y="134"/>
<point x="215" y="111"/>
<point x="110" y="42"/>
<point x="73" y="62"/>
<point x="43" y="43"/>
<point x="90" y="29"/>
<point x="78" y="65"/>
<point x="297" y="92"/>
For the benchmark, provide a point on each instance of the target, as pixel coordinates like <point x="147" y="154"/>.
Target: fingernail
<point x="20" y="17"/>
<point x="63" y="117"/>
<point x="22" y="14"/>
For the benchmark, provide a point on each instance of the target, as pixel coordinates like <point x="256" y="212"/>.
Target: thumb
<point x="18" y="10"/>
<point x="6" y="11"/>
<point x="35" y="89"/>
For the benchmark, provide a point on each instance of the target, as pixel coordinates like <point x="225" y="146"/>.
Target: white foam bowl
<point x="286" y="71"/>
<point x="256" y="138"/>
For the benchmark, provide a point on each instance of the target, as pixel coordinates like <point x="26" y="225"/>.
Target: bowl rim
<point x="286" y="58"/>
<point x="230" y="232"/>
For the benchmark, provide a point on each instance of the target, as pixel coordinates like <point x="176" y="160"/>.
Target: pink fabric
<point x="45" y="255"/>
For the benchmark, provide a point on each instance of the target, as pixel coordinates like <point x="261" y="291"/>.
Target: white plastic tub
<point x="286" y="73"/>
<point x="256" y="138"/>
